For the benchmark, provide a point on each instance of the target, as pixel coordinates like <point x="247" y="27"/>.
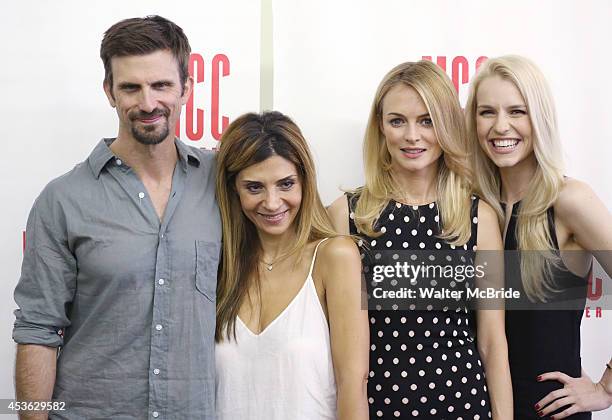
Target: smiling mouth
<point x="274" y="218"/>
<point x="504" y="145"/>
<point x="150" y="120"/>
<point x="412" y="152"/>
<point x="149" y="117"/>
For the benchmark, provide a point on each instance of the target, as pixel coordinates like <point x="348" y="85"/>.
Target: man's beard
<point x="149" y="134"/>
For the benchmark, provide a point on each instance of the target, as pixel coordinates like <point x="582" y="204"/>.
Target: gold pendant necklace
<point x="270" y="265"/>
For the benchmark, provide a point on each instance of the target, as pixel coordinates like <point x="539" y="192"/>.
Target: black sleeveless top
<point x="541" y="341"/>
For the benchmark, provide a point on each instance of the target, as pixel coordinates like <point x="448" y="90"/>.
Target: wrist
<point x="607" y="390"/>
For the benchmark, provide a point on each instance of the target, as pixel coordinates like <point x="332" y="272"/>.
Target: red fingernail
<point x="539" y="378"/>
<point x="537" y="406"/>
<point x="540" y="414"/>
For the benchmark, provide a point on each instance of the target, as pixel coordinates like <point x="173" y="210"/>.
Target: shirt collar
<point x="102" y="154"/>
<point x="186" y="154"/>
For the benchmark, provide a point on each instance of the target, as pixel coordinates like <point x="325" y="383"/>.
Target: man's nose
<point x="148" y="101"/>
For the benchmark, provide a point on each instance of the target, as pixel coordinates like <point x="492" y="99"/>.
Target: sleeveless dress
<point x="542" y="341"/>
<point x="423" y="363"/>
<point x="284" y="372"/>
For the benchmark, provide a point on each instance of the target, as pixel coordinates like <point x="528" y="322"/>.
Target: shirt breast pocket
<point x="207" y="261"/>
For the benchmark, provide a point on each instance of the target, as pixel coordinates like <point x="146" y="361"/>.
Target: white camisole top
<point x="283" y="373"/>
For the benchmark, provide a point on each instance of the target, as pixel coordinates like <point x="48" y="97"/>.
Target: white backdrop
<point x="328" y="59"/>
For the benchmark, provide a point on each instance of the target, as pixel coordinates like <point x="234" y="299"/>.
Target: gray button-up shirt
<point x="130" y="299"/>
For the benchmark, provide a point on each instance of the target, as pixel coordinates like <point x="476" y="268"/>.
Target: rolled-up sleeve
<point x="48" y="276"/>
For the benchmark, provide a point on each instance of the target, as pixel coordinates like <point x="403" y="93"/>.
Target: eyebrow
<point x="402" y="115"/>
<point x="130" y="85"/>
<point x="287" y="178"/>
<point x="127" y="85"/>
<point x="511" y="106"/>
<point x="163" y="81"/>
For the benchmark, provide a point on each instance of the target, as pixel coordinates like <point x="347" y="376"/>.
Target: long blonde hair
<point x="454" y="174"/>
<point x="250" y="139"/>
<point x="532" y="230"/>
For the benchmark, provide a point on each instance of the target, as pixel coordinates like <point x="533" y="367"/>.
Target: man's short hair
<point x="140" y="36"/>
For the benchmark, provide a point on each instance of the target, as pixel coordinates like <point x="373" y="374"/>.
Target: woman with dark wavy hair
<point x="292" y="337"/>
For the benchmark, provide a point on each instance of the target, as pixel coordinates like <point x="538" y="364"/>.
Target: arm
<point x="590" y="224"/>
<point x="34" y="376"/>
<point x="339" y="214"/>
<point x="348" y="321"/>
<point x="606" y="382"/>
<point x="46" y="286"/>
<point x="587" y="219"/>
<point x="490" y="331"/>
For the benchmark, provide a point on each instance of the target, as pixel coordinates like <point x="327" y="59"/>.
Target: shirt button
<point x="155" y="414"/>
<point x="156" y="371"/>
<point x="141" y="195"/>
<point x="158" y="327"/>
<point x="161" y="282"/>
<point x="118" y="161"/>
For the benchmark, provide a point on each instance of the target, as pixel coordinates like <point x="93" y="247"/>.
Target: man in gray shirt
<point x="121" y="256"/>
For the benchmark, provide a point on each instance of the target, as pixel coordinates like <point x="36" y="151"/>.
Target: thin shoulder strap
<point x="314" y="256"/>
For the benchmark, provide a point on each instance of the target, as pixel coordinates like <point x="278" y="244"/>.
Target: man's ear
<point x="187" y="90"/>
<point x="108" y="90"/>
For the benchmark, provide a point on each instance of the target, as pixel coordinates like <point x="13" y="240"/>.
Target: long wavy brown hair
<point x="248" y="140"/>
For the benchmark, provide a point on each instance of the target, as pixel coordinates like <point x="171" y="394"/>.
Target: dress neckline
<point x="514" y="205"/>
<point x="399" y="204"/>
<point x="282" y="313"/>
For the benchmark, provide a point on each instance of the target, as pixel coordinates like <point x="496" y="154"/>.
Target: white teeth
<point x="273" y="217"/>
<point x="505" y="142"/>
<point x="413" y="150"/>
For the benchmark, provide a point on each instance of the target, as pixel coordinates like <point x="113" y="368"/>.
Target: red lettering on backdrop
<point x="195" y="127"/>
<point x="223" y="61"/>
<point x="587" y="312"/>
<point x="480" y="61"/>
<point x="594" y="294"/>
<point x="460" y="64"/>
<point x="440" y="60"/>
<point x="598" y="312"/>
<point x="460" y="68"/>
<point x="198" y="77"/>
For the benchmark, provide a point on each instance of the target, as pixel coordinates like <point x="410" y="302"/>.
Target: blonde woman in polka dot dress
<point x="424" y="363"/>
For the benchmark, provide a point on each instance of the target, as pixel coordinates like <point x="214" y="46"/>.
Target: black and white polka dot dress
<point x="423" y="363"/>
